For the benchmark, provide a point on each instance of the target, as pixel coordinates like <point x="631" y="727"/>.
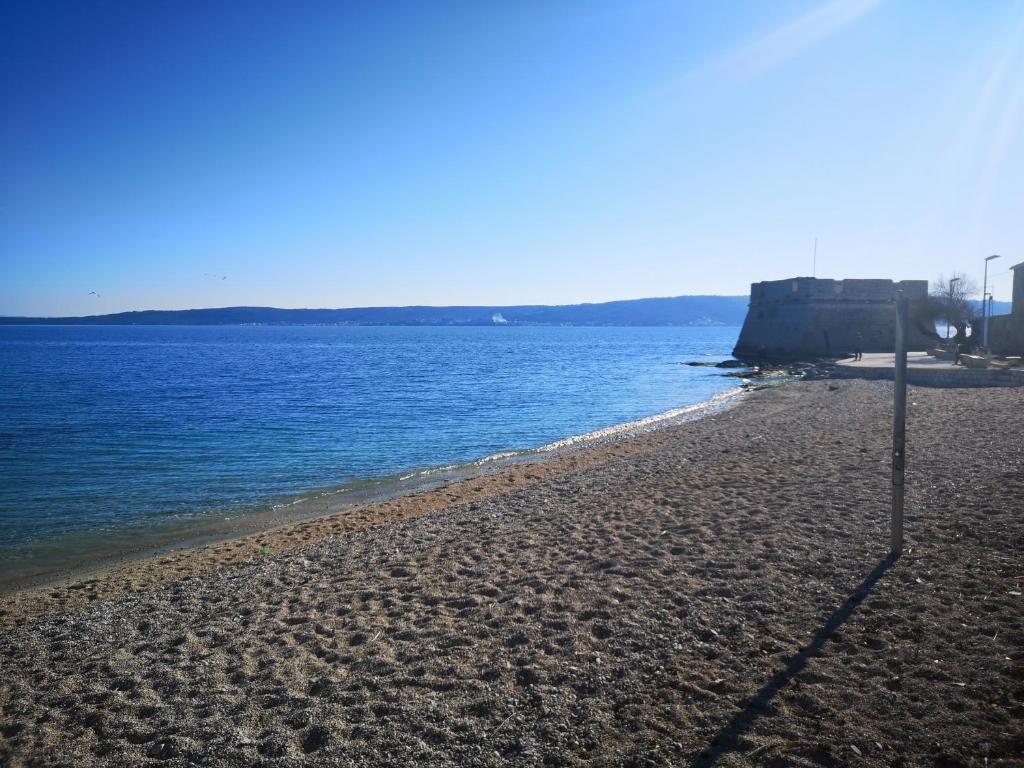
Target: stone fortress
<point x="805" y="318"/>
<point x="1006" y="332"/>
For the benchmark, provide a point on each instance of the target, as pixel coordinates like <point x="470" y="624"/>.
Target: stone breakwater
<point x="709" y="593"/>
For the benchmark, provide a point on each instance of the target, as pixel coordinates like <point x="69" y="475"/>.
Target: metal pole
<point x="949" y="307"/>
<point x="984" y="309"/>
<point x="899" y="425"/>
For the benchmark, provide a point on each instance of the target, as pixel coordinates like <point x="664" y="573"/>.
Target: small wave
<point x="456" y="467"/>
<point x="499" y="456"/>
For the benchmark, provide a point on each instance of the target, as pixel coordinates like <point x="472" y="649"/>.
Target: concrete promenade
<point x="926" y="371"/>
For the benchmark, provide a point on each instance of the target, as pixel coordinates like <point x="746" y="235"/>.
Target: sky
<point x="168" y="155"/>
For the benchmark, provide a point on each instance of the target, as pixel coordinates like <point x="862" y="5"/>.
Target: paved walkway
<point x="888" y="360"/>
<point x="927" y="371"/>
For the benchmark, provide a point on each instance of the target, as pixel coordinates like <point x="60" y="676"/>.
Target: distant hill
<point x="678" y="310"/>
<point x="998" y="307"/>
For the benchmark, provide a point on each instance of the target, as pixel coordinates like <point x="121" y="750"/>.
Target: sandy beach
<point x="711" y="593"/>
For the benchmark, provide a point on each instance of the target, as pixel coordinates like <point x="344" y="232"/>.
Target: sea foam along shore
<point x="164" y="556"/>
<point x="615" y="432"/>
<point x="639" y="427"/>
<point x="716" y="587"/>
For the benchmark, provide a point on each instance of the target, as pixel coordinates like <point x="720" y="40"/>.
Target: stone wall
<point x="1006" y="332"/>
<point x="806" y="318"/>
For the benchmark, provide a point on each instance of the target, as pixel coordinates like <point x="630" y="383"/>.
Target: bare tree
<point x="950" y="302"/>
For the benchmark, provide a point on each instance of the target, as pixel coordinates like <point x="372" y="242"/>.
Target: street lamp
<point x="949" y="308"/>
<point x="984" y="309"/>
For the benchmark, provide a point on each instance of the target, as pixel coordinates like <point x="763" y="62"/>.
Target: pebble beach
<point x="715" y="592"/>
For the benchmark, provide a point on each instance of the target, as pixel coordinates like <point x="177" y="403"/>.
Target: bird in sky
<point x="93" y="293"/>
<point x="222" y="277"/>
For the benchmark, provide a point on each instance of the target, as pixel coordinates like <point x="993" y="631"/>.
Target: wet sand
<point x="712" y="593"/>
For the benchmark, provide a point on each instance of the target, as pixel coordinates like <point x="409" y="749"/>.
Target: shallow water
<point x="119" y="431"/>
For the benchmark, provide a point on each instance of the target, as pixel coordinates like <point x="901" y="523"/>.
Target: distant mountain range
<point x="678" y="310"/>
<point x="998" y="307"/>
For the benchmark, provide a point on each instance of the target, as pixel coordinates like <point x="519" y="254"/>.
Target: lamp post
<point x="984" y="307"/>
<point x="949" y="308"/>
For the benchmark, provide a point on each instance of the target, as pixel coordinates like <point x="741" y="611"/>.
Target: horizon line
<point x="388" y="306"/>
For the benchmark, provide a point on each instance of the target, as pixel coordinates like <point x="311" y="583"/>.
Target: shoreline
<point x="717" y="592"/>
<point x="282" y="527"/>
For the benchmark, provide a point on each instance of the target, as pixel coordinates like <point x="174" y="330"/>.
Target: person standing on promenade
<point x="858" y="347"/>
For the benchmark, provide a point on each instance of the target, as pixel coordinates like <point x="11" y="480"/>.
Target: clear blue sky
<point x="341" y="154"/>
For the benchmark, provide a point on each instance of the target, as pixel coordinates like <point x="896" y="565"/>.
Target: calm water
<point x="120" y="429"/>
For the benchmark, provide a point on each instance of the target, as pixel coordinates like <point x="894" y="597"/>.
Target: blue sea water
<point x="119" y="429"/>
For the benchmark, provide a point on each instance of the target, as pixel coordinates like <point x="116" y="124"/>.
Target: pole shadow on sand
<point x="727" y="740"/>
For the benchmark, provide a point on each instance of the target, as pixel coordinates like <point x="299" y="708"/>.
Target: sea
<point x="113" y="436"/>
